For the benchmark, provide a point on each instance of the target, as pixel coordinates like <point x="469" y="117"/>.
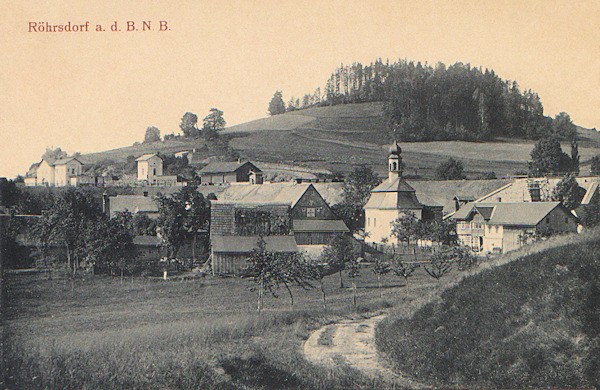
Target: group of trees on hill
<point x="212" y="124"/>
<point x="426" y="103"/>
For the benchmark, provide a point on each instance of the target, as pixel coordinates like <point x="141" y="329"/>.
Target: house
<point x="231" y="172"/>
<point x="53" y="173"/>
<point x="393" y="198"/>
<point x="149" y="167"/>
<point x="230" y="253"/>
<point x="501" y="227"/>
<point x="313" y="222"/>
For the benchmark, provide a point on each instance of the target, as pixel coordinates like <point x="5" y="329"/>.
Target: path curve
<point x="351" y="343"/>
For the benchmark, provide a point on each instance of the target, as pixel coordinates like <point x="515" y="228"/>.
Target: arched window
<point x="394" y="165"/>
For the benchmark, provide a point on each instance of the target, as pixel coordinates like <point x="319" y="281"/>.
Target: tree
<point x="54" y="154"/>
<point x="189" y="125"/>
<point x="547" y="157"/>
<point x="404" y="269"/>
<point x="214" y="120"/>
<point x="575" y="156"/>
<point x="380" y="268"/>
<point x="277" y="105"/>
<point x="339" y="252"/>
<point x="358" y="185"/>
<point x="152" y="134"/>
<point x="406" y="227"/>
<point x="353" y="268"/>
<point x="590" y="213"/>
<point x="595" y="166"/>
<point x="464" y="259"/>
<point x="568" y="192"/>
<point x="353" y="215"/>
<point x="563" y="126"/>
<point x="440" y="264"/>
<point x="450" y="169"/>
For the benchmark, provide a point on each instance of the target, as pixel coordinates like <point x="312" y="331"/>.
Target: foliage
<point x="173" y="165"/>
<point x="406" y="227"/>
<point x="353" y="269"/>
<point x="568" y="192"/>
<point x="595" y="166"/>
<point x="380" y="268"/>
<point x="182" y="218"/>
<point x="358" y="185"/>
<point x="450" y="169"/>
<point x="152" y="134"/>
<point x="353" y="215"/>
<point x="276" y="105"/>
<point x="563" y="127"/>
<point x="490" y="175"/>
<point x="590" y="213"/>
<point x="271" y="269"/>
<point x="341" y="250"/>
<point x="575" y="156"/>
<point x="253" y="222"/>
<point x="143" y="225"/>
<point x="13" y="254"/>
<point x="464" y="259"/>
<point x="189" y="125"/>
<point x="547" y="157"/>
<point x="404" y="269"/>
<point x="213" y="123"/>
<point x="54" y="154"/>
<point x="107" y="244"/>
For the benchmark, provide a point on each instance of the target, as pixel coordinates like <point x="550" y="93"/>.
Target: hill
<point x="533" y="322"/>
<point x="337" y="138"/>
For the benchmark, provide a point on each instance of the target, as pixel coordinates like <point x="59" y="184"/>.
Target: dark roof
<point x="132" y="203"/>
<point x="245" y="244"/>
<point x="225" y="167"/>
<point x="319" y="225"/>
<point x="521" y="214"/>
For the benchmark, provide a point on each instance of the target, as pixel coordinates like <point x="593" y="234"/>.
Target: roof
<point x="426" y="200"/>
<point x="282" y="193"/>
<point x="225" y="167"/>
<point x="443" y="192"/>
<point x="147" y="241"/>
<point x="66" y="160"/>
<point x="319" y="225"/>
<point x="145" y="157"/>
<point x="393" y="201"/>
<point x="133" y="204"/>
<point x="245" y="244"/>
<point x="523" y="213"/>
<point x="589" y="194"/>
<point x="396" y="185"/>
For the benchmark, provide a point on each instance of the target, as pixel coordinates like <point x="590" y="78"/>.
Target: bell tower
<point x="395" y="162"/>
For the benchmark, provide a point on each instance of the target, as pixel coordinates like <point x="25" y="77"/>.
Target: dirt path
<point x="351" y="343"/>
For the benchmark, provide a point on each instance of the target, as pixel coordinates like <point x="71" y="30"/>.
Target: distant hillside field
<point x="336" y="138"/>
<point x="531" y="323"/>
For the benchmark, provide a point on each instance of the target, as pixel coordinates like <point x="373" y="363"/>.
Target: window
<point x="566" y="220"/>
<point x="548" y="221"/>
<point x="374" y="222"/>
<point x="369" y="221"/>
<point x="154" y="171"/>
<point x="311" y="212"/>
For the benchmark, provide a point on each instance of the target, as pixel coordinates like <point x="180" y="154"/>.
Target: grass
<point x="529" y="319"/>
<point x="204" y="333"/>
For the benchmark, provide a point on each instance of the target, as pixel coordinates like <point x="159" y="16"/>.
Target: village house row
<point x="492" y="216"/>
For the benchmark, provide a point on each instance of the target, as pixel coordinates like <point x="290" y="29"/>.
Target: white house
<point x="501" y="227"/>
<point x="53" y="173"/>
<point x="150" y="167"/>
<point x="389" y="200"/>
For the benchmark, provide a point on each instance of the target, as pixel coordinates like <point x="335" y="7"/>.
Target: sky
<point x="98" y="90"/>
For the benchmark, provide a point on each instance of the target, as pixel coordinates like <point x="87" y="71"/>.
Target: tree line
<point x="427" y="103"/>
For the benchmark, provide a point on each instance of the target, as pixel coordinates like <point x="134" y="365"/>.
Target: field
<point x="102" y="332"/>
<point x="339" y="137"/>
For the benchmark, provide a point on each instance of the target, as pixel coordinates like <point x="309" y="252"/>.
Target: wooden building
<point x="231" y="172"/>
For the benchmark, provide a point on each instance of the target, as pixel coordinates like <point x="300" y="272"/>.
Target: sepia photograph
<point x="279" y="194"/>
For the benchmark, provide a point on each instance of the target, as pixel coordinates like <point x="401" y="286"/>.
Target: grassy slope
<point x="533" y="322"/>
<point x="339" y="137"/>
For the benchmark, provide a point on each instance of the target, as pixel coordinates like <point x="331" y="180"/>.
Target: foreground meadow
<point x="101" y="332"/>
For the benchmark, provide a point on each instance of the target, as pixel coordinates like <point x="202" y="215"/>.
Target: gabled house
<point x="231" y="172"/>
<point x="501" y="227"/>
<point x="135" y="204"/>
<point x="149" y="167"/>
<point x="54" y="173"/>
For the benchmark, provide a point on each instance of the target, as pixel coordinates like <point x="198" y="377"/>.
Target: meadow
<point x="102" y="332"/>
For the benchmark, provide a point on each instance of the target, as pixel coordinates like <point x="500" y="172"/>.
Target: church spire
<point x="395" y="162"/>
